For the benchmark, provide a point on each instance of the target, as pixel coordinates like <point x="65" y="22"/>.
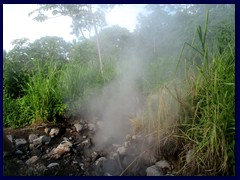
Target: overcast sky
<point x="17" y="24"/>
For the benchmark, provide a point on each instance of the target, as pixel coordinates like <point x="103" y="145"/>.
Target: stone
<point x="18" y="152"/>
<point x="61" y="149"/>
<point x="32" y="160"/>
<point x="52" y="165"/>
<point x="47" y="130"/>
<point x="10" y="137"/>
<point x="37" y="142"/>
<point x="87" y="143"/>
<point x="99" y="161"/>
<point x="154" y="171"/>
<point x="19" y="142"/>
<point x="31" y="137"/>
<point x="163" y="164"/>
<point x="78" y="127"/>
<point x="94" y="156"/>
<point x="45" y="139"/>
<point x="54" y="132"/>
<point x="149" y="157"/>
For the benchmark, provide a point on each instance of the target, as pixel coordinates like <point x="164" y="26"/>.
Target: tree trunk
<point x="97" y="39"/>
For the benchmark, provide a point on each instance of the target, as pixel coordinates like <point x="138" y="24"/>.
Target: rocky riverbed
<point x="68" y="149"/>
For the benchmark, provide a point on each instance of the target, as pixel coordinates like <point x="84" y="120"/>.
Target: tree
<point x="83" y="18"/>
<point x="114" y="41"/>
<point x="50" y="48"/>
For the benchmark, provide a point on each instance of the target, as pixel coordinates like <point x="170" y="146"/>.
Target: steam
<point x="117" y="102"/>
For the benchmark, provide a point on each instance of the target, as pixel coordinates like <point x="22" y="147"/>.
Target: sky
<point x="17" y="24"/>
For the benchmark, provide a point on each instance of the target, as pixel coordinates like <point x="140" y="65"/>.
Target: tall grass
<point x="42" y="101"/>
<point x="79" y="79"/>
<point x="212" y="125"/>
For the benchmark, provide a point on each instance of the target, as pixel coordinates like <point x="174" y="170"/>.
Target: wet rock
<point x="154" y="171"/>
<point x="78" y="127"/>
<point x="54" y="132"/>
<point x="31" y="137"/>
<point x="52" y="165"/>
<point x="19" y="142"/>
<point x="32" y="160"/>
<point x="92" y="127"/>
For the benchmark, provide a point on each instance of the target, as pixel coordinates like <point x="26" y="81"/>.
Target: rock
<point x="87" y="143"/>
<point x="54" y="132"/>
<point x="121" y="150"/>
<point x="36" y="170"/>
<point x="37" y="142"/>
<point x="99" y="161"/>
<point x="94" y="156"/>
<point x="154" y="171"/>
<point x="163" y="164"/>
<point x="31" y="137"/>
<point x="52" y="165"/>
<point x="31" y="146"/>
<point x="45" y="139"/>
<point x="10" y="137"/>
<point x="19" y="142"/>
<point x="36" y="152"/>
<point x="60" y="149"/>
<point x="78" y="127"/>
<point x="149" y="157"/>
<point x="91" y="127"/>
<point x="18" y="152"/>
<point x="47" y="130"/>
<point x="32" y="160"/>
<point x="127" y="144"/>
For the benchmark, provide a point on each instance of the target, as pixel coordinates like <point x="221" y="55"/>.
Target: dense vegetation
<point x="189" y="57"/>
